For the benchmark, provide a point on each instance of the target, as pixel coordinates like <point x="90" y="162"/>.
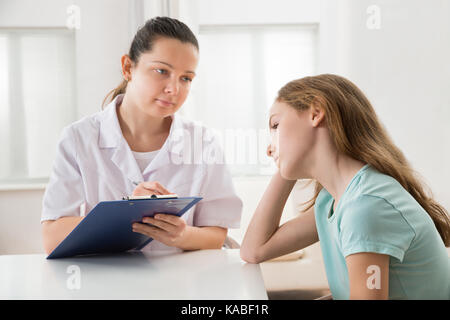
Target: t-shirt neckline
<point x="145" y="155"/>
<point x="331" y="214"/>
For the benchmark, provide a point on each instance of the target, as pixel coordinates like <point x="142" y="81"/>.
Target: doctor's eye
<point x="186" y="79"/>
<point x="161" y="71"/>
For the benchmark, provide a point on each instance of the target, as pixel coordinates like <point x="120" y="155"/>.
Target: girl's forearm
<point x="266" y="218"/>
<point x="195" y="238"/>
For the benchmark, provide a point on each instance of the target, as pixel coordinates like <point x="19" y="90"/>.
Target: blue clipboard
<point x="108" y="227"/>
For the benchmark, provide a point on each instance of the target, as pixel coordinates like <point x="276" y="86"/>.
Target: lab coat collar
<point x="110" y="132"/>
<point x="111" y="137"/>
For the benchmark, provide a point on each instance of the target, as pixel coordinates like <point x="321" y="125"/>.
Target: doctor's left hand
<point x="166" y="228"/>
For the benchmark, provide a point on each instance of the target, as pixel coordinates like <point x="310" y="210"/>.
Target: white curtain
<point x="37" y="99"/>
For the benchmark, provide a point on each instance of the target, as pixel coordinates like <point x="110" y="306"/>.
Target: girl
<point x="381" y="236"/>
<point x="138" y="145"/>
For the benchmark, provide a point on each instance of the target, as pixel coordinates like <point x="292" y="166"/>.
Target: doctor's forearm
<point x="195" y="238"/>
<point x="54" y="231"/>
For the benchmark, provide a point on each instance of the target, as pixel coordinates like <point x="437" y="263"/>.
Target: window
<point x="240" y="71"/>
<point x="37" y="99"/>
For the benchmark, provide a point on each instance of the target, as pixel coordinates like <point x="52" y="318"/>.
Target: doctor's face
<point x="161" y="80"/>
<point x="292" y="140"/>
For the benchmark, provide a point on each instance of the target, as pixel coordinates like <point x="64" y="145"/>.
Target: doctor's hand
<point x="149" y="188"/>
<point x="166" y="228"/>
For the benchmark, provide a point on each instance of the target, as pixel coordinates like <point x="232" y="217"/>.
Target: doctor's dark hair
<point x="143" y="41"/>
<point x="357" y="132"/>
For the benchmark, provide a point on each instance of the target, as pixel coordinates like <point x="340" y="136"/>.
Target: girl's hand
<point x="166" y="228"/>
<point x="149" y="188"/>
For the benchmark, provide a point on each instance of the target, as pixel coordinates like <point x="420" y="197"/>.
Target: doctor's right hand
<point x="149" y="188"/>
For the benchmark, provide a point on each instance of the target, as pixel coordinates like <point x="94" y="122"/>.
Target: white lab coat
<point x="95" y="163"/>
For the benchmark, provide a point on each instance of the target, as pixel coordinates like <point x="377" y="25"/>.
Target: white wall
<point x="20" y="231"/>
<point x="403" y="68"/>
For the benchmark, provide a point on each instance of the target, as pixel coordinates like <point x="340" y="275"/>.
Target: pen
<point x="127" y="197"/>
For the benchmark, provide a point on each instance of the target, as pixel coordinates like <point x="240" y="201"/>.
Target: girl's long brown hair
<point x="357" y="132"/>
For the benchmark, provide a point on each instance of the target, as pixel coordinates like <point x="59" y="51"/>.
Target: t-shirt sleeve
<point x="220" y="205"/>
<point x="64" y="193"/>
<point x="372" y="224"/>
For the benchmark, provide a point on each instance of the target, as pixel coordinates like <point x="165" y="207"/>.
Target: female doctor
<point x="139" y="145"/>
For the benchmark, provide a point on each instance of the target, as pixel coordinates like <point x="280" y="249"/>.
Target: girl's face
<point x="160" y="82"/>
<point x="293" y="137"/>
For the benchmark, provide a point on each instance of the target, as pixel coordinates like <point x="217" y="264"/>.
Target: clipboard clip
<point x="152" y="196"/>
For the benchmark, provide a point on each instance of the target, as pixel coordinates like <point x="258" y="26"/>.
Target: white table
<point x="203" y="274"/>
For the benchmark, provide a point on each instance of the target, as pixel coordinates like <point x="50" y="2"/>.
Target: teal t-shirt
<point x="376" y="214"/>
